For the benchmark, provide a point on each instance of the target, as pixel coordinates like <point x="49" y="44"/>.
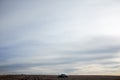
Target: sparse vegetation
<point x="54" y="77"/>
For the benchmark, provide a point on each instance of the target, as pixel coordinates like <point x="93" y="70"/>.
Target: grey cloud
<point x="90" y="56"/>
<point x="102" y="50"/>
<point x="54" y="33"/>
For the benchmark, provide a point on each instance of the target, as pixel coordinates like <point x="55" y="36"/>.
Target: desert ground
<point x="55" y="77"/>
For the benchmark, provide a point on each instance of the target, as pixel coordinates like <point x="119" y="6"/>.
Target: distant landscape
<point x="40" y="39"/>
<point x="55" y="77"/>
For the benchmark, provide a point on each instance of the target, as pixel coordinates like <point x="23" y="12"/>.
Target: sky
<point x="75" y="37"/>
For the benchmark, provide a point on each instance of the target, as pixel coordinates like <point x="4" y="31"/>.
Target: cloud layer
<point x="60" y="36"/>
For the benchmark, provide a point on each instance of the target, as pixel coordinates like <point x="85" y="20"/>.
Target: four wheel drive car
<point x="62" y="76"/>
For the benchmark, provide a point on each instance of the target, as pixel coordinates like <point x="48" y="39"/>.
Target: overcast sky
<point x="60" y="36"/>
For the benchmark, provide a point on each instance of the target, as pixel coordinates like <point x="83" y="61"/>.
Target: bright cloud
<point x="60" y="36"/>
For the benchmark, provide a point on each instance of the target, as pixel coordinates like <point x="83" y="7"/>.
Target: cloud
<point x="95" y="69"/>
<point x="59" y="36"/>
<point x="55" y="58"/>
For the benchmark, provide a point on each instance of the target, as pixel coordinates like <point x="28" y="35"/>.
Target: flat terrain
<point x="54" y="77"/>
